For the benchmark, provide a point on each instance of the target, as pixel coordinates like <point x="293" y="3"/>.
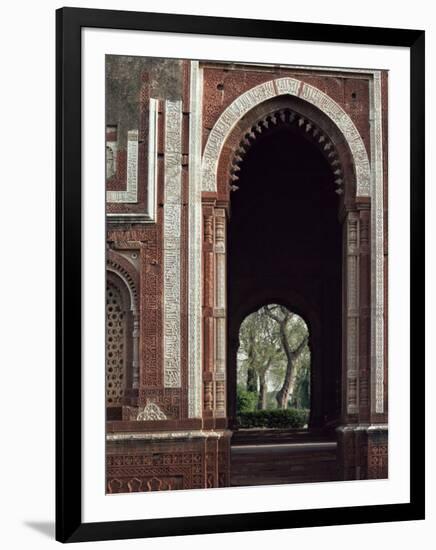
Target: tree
<point x="273" y="350"/>
<point x="259" y="350"/>
<point x="294" y="338"/>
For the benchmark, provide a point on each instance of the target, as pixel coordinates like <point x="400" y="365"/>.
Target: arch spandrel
<point x="125" y="271"/>
<point x="274" y="88"/>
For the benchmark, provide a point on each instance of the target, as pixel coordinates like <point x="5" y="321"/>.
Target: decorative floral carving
<point x="151" y="411"/>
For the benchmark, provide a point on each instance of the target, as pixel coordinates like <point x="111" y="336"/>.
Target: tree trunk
<point x="261" y="403"/>
<point x="283" y="393"/>
<point x="282" y="396"/>
<point x="251" y="379"/>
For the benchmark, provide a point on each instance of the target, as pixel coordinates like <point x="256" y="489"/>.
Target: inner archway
<point x="285" y="247"/>
<point x="273" y="369"/>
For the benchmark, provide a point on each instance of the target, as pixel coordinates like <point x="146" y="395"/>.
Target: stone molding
<point x="194" y="243"/>
<point x="191" y="434"/>
<point x="377" y="257"/>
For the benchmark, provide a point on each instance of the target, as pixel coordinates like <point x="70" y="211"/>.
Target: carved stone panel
<point x="171" y="238"/>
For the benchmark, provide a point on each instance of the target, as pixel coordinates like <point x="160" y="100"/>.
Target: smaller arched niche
<point x="119" y="344"/>
<point x="273" y="370"/>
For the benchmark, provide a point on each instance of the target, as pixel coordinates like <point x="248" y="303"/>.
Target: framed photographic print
<point x="240" y="268"/>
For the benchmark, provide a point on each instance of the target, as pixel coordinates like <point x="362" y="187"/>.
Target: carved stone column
<point x="214" y="312"/>
<point x="220" y="312"/>
<point x="362" y="445"/>
<point x="347" y="443"/>
<point x="208" y="305"/>
<point x="364" y="311"/>
<point x="352" y="315"/>
<point x="135" y="351"/>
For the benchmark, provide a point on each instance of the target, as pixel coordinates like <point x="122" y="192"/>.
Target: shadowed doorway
<point x="285" y="247"/>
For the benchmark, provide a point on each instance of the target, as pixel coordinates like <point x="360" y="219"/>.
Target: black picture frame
<point x="69" y="23"/>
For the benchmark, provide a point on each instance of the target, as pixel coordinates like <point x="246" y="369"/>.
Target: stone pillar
<point x="362" y="443"/>
<point x="364" y="311"/>
<point x="135" y="351"/>
<point x="208" y="306"/>
<point x="351" y="405"/>
<point x="220" y="312"/>
<point x="349" y="440"/>
<point x="214" y="313"/>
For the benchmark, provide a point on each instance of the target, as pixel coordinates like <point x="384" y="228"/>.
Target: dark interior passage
<point x="285" y="247"/>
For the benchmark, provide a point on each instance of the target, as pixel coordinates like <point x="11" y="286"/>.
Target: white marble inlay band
<point x="131" y="193"/>
<point x="194" y="244"/>
<point x="152" y="158"/>
<point x="171" y="238"/>
<point x="377" y="257"/>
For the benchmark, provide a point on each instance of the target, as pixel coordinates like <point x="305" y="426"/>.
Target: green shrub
<point x="246" y="401"/>
<point x="276" y="418"/>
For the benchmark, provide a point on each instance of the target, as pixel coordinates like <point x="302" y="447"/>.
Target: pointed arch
<point x="271" y="89"/>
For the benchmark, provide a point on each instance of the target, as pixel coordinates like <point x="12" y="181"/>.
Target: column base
<point x="363" y="451"/>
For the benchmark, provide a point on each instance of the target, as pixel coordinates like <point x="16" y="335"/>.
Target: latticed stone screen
<point x="115" y="345"/>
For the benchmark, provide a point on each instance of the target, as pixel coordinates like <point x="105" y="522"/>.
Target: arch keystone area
<point x="274" y="88"/>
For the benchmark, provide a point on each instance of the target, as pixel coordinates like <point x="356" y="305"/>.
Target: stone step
<point x="271" y="464"/>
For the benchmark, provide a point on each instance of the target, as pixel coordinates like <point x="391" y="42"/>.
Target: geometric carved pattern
<point x="130" y="194"/>
<point x="174" y="470"/>
<point x="116" y="348"/>
<point x="377" y="453"/>
<point x="191" y="460"/>
<point x="145" y="484"/>
<point x="151" y="299"/>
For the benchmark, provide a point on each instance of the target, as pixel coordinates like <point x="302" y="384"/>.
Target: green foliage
<point x="271" y="402"/>
<point x="277" y="418"/>
<point x="246" y="401"/>
<point x="274" y="356"/>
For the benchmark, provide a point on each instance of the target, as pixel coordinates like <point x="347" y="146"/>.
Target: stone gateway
<point x="230" y="186"/>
